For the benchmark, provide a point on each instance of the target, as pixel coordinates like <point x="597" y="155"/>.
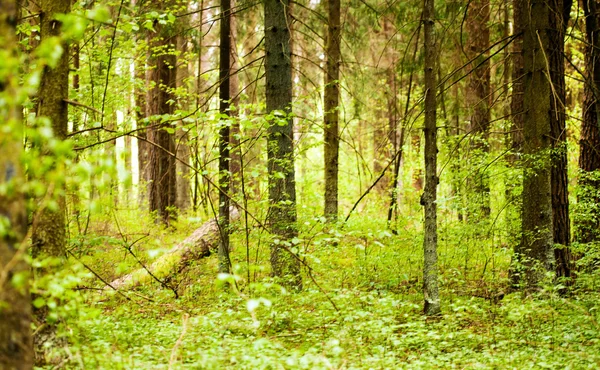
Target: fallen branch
<point x="196" y="246"/>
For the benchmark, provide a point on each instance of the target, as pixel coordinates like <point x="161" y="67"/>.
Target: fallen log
<point x="196" y="246"/>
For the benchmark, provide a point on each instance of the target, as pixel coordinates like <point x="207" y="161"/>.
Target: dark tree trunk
<point x="588" y="222"/>
<point x="331" y="101"/>
<point x="281" y="218"/>
<point x="479" y="100"/>
<point x="224" y="133"/>
<point x="16" y="347"/>
<point x="536" y="251"/>
<point x="516" y="104"/>
<point x="429" y="197"/>
<point x="560" y="183"/>
<point x="162" y="190"/>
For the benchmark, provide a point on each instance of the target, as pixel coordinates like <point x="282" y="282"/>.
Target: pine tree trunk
<point x="516" y="104"/>
<point x="331" y="102"/>
<point x="162" y="190"/>
<point x="16" y="346"/>
<point x="224" y="135"/>
<point x="429" y="197"/>
<point x="49" y="228"/>
<point x="281" y="218"/>
<point x="560" y="182"/>
<point x="479" y="99"/>
<point x="536" y="251"/>
<point x="588" y="225"/>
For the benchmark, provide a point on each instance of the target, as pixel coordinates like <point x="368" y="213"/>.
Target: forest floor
<point x="365" y="313"/>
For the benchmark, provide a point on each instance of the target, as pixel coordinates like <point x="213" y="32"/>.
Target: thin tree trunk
<point x="16" y="346"/>
<point x="331" y="102"/>
<point x="141" y="111"/>
<point x="429" y="197"/>
<point x="281" y="217"/>
<point x="224" y="132"/>
<point x="518" y="72"/>
<point x="183" y="198"/>
<point x="234" y="91"/>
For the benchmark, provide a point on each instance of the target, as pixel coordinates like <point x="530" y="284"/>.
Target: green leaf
<point x="100" y="13"/>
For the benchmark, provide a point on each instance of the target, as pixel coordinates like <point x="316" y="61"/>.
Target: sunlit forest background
<point x="316" y="184"/>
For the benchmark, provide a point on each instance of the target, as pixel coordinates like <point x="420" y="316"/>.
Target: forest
<point x="305" y="184"/>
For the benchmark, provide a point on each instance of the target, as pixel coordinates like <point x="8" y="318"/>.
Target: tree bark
<point x="224" y="135"/>
<point x="235" y="165"/>
<point x="281" y="217"/>
<point x="161" y="162"/>
<point x="479" y="100"/>
<point x="331" y="118"/>
<point x="16" y="346"/>
<point x="201" y="243"/>
<point x="429" y="197"/>
<point x="560" y="182"/>
<point x="588" y="223"/>
<point x="536" y="252"/>
<point x="183" y="198"/>
<point x="516" y="105"/>
<point x="49" y="227"/>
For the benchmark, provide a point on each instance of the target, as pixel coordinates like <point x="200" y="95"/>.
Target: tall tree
<point x="160" y="99"/>
<point x="536" y="251"/>
<point x="49" y="228"/>
<point x="281" y="218"/>
<point x="429" y="197"/>
<point x="588" y="225"/>
<point x="16" y="347"/>
<point x="224" y="134"/>
<point x="478" y="94"/>
<point x="331" y="102"/>
<point x="560" y="182"/>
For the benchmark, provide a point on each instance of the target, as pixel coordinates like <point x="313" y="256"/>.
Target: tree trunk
<point x="49" y="228"/>
<point x="16" y="347"/>
<point x="516" y="104"/>
<point x="141" y="109"/>
<point x="536" y="251"/>
<point x="588" y="223"/>
<point x="479" y="100"/>
<point x="183" y="198"/>
<point x="235" y="165"/>
<point x="560" y="182"/>
<point x="331" y="119"/>
<point x="161" y="162"/>
<point x="429" y="197"/>
<point x="281" y="217"/>
<point x="224" y="133"/>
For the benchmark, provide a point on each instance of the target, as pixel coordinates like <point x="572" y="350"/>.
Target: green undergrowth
<point x="361" y="308"/>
